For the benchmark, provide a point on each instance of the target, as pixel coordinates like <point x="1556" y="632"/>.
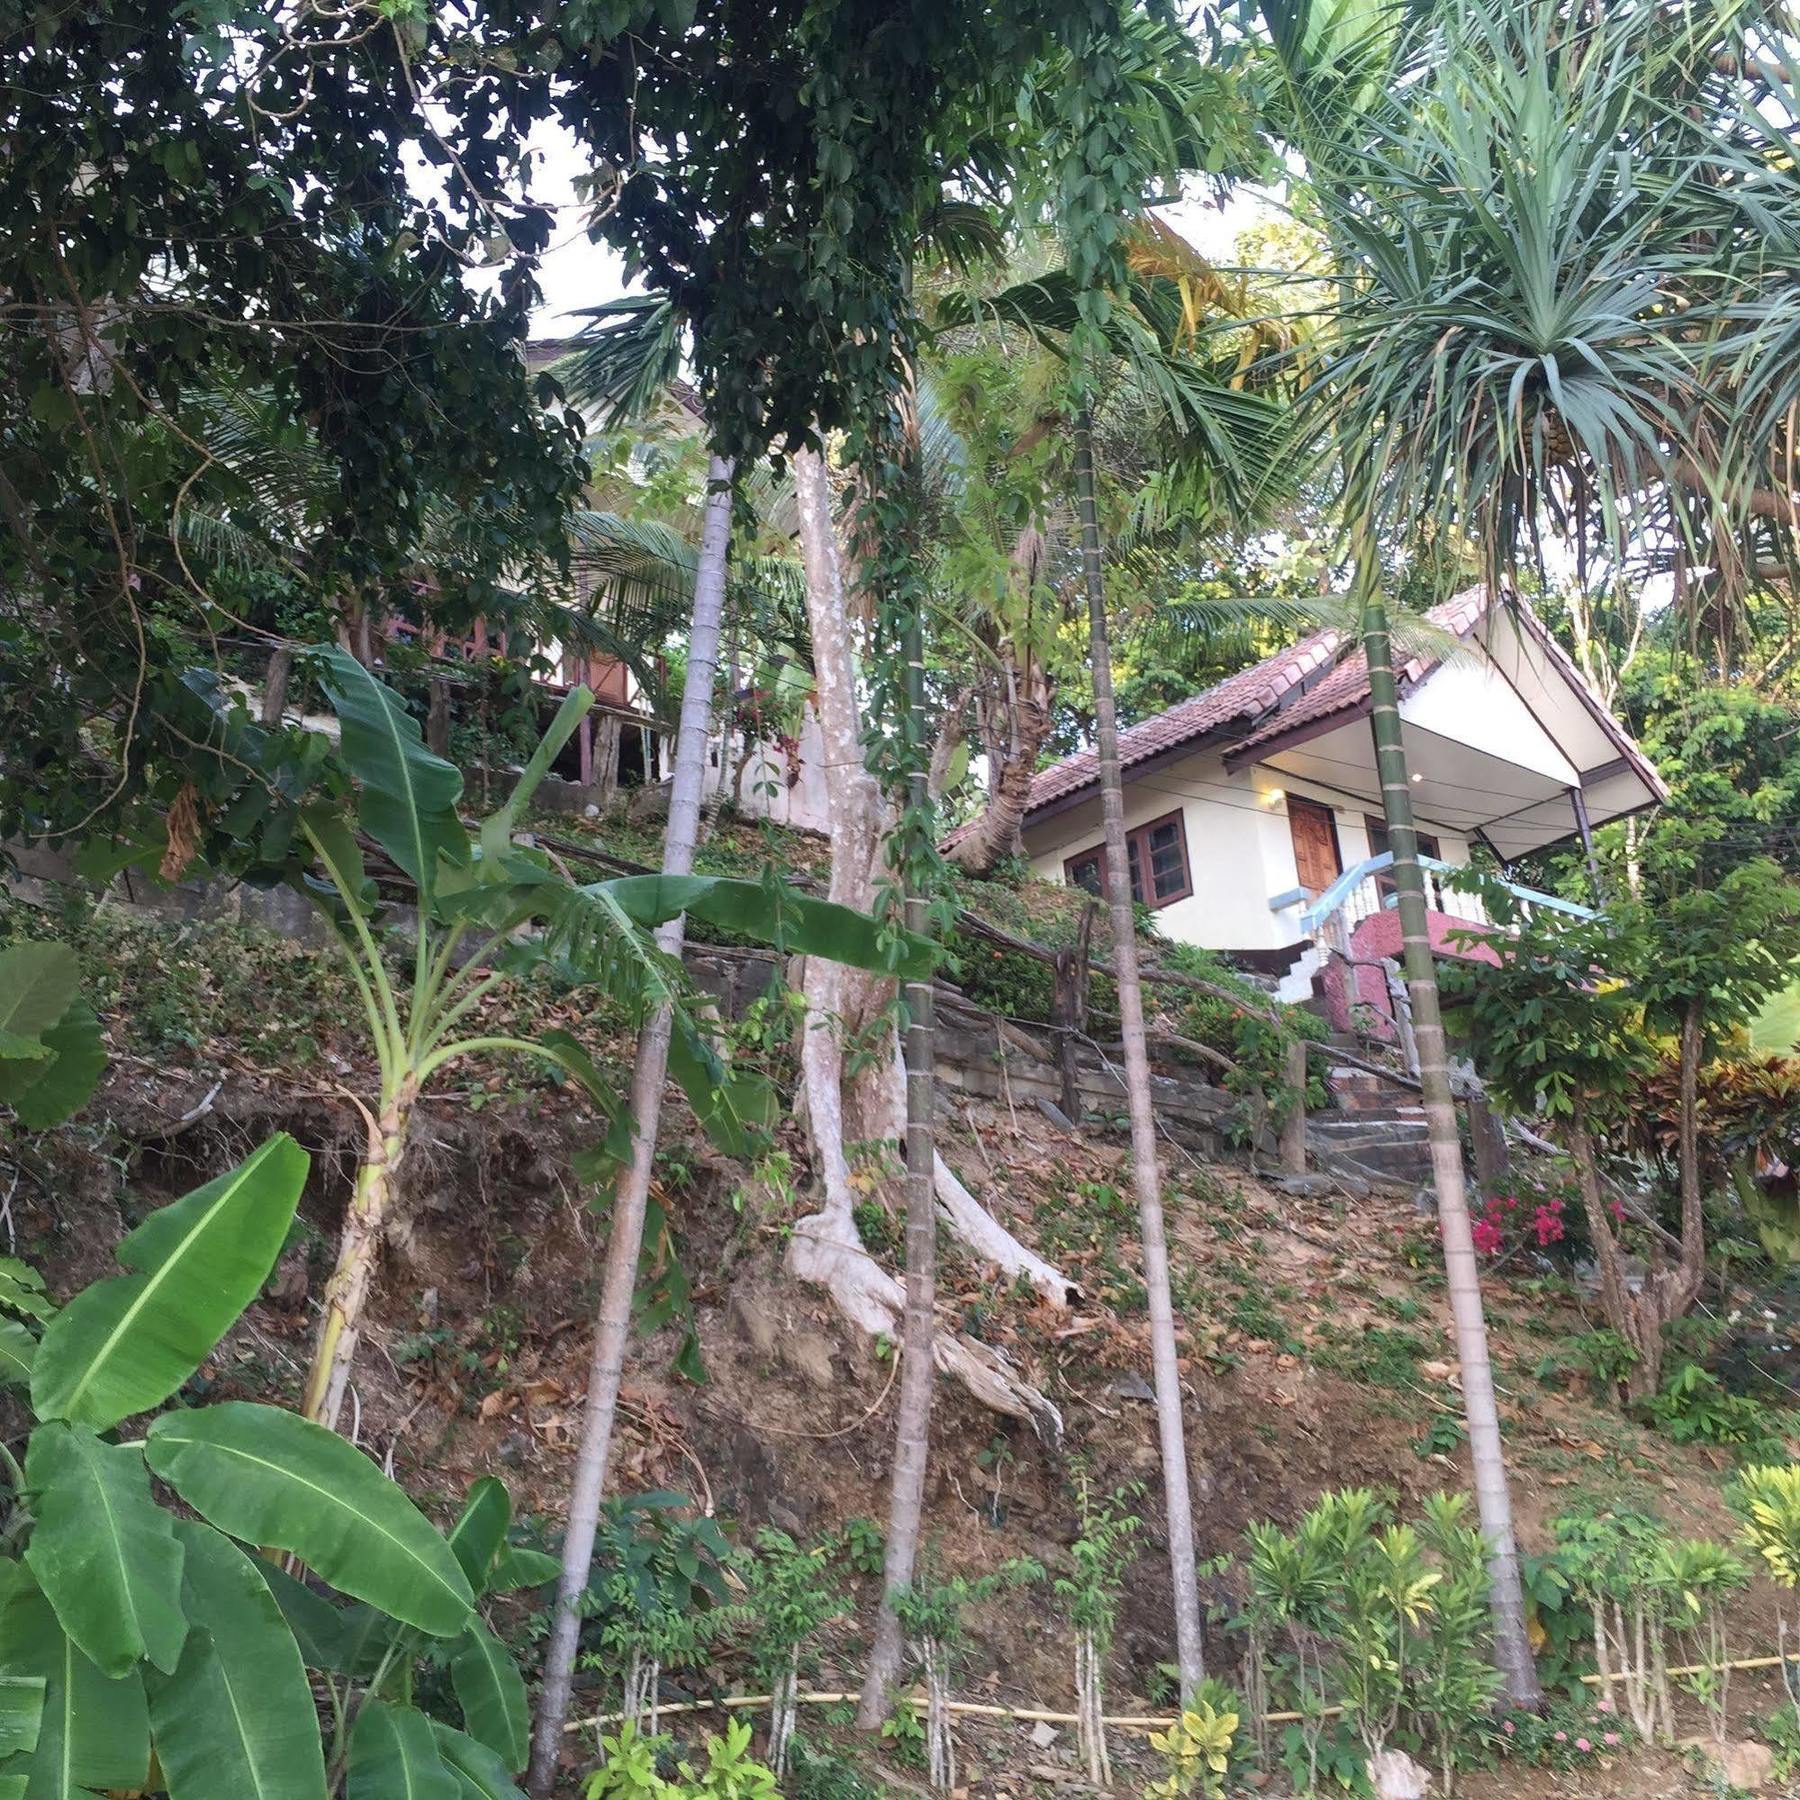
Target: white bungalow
<point x="1254" y="808"/>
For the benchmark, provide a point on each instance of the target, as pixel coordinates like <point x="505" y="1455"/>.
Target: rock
<point x="1395" y="1776"/>
<point x="1306" y="1187"/>
<point x="752" y="1318"/>
<point x="1437" y="1371"/>
<point x="1743" y="1765"/>
<point x="1043" y="1734"/>
<point x="514" y="1449"/>
<point x="809" y="1356"/>
<point x="1131" y="1386"/>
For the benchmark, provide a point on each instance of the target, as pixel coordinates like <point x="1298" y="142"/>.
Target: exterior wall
<point x="1376" y="937"/>
<point x="1240" y="850"/>
<point x="765" y="789"/>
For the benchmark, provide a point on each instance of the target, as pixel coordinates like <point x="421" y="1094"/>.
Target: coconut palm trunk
<point x="613" y="1325"/>
<point x="1183" y="1578"/>
<point x="912" y="1425"/>
<point x="1493" y="1499"/>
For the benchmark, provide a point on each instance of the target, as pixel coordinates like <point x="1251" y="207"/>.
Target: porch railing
<point x="1368" y="888"/>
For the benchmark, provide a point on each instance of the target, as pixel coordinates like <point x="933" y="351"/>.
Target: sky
<point x="576" y="273"/>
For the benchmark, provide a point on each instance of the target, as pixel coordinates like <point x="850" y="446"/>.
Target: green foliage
<point x="1387" y="1620"/>
<point x="1767" y="1498"/>
<point x="791" y="1595"/>
<point x="629" y="1770"/>
<point x="1694" y="1408"/>
<point x="1556" y="1023"/>
<point x="125" y="1345"/>
<point x="1561" y="1626"/>
<point x="1197" y="1748"/>
<point x="1255" y="1032"/>
<point x="864" y="1546"/>
<point x="51" y="1053"/>
<point x="147" y="1630"/>
<point x="657" y="1594"/>
<point x="1099" y="1556"/>
<point x="1781" y="1732"/>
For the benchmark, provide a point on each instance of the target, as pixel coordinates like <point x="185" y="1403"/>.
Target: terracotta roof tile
<point x="1239" y="707"/>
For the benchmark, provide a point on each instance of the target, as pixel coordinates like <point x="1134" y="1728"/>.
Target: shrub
<point x="631" y="1765"/>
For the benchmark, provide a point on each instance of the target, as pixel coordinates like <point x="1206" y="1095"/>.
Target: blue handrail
<point x="1334" y="897"/>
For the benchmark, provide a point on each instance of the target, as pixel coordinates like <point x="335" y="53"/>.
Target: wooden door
<point x="1316" y="859"/>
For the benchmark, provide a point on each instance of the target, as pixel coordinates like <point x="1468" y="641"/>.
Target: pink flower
<point x="1610" y="1739"/>
<point x="1508" y="1727"/>
<point x="1618" y="1212"/>
<point x="1583" y="1744"/>
<point x="1562" y="1737"/>
<point x="1606" y="1706"/>
<point x="1486" y="1235"/>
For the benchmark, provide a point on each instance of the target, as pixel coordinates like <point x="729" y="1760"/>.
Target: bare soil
<point x="1316" y="1342"/>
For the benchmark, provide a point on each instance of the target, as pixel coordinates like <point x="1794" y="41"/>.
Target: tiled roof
<point x="1348" y="684"/>
<point x="1291" y="687"/>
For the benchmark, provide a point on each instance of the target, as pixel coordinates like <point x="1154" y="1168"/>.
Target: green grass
<point x="1776" y="1029"/>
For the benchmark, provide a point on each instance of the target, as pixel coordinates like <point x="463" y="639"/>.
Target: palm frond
<point x="590" y="936"/>
<point x="627" y="358"/>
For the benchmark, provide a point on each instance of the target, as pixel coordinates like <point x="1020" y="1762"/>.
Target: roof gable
<point x="1313" y="679"/>
<point x="1311" y="687"/>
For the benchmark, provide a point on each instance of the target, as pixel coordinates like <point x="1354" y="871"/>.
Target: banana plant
<point x="487" y="910"/>
<point x="153" y="1653"/>
<point x="51" y="1053"/>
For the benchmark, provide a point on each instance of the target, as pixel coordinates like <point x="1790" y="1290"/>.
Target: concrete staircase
<point x="1376" y="1130"/>
<point x="1388" y="1145"/>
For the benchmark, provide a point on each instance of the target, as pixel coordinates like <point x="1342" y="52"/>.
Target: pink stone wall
<point x="1378" y="936"/>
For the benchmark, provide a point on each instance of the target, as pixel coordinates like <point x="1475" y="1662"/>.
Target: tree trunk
<point x="1638" y="1321"/>
<point x="359" y="1246"/>
<point x="613" y="1326"/>
<point x="1183" y="1577"/>
<point x="437" y="716"/>
<point x="1692" y="1272"/>
<point x="275" y="685"/>
<point x="995" y="830"/>
<point x="912" y="1422"/>
<point x="841" y="1003"/>
<point x="1486" y="1452"/>
<point x="606" y="762"/>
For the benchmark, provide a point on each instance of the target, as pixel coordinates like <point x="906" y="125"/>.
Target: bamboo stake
<point x="1031" y="1715"/>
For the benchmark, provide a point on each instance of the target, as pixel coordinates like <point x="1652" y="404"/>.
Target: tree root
<point x="977" y="1228"/>
<point x="826" y="1251"/>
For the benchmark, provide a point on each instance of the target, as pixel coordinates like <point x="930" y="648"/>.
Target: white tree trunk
<point x="825" y="1247"/>
<point x="613" y="1326"/>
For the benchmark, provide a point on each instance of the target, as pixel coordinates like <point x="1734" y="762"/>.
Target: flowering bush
<point x="1537" y="1217"/>
<point x="1565" y="1737"/>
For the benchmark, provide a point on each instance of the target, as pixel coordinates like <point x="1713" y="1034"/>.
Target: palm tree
<point x="1217" y="449"/>
<point x="1518" y="214"/>
<point x="627" y="362"/>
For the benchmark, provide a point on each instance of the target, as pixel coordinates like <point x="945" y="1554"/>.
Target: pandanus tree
<point x="1536" y="261"/>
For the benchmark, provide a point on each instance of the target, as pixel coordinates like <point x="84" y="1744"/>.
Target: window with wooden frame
<point x="1158" y="857"/>
<point x="1378" y="846"/>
